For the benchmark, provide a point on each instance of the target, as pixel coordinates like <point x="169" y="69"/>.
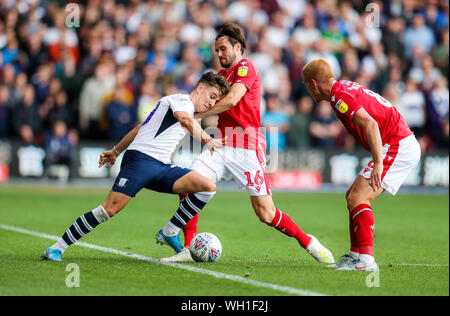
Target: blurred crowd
<point x="96" y="69"/>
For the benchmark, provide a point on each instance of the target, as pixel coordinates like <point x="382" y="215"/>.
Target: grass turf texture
<point x="411" y="245"/>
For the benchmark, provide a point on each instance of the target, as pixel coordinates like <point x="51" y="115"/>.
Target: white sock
<point x="100" y="214"/>
<point x="60" y="244"/>
<point x="204" y="196"/>
<point x="353" y="254"/>
<point x="170" y="229"/>
<point x="367" y="258"/>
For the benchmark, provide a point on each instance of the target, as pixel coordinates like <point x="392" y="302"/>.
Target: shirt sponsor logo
<point x="242" y="71"/>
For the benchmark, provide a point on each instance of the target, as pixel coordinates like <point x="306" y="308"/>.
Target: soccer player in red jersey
<point x="243" y="155"/>
<point x="378" y="127"/>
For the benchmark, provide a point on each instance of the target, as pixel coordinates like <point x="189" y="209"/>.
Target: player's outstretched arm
<point x="232" y="98"/>
<point x="109" y="157"/>
<point x="197" y="132"/>
<point x="372" y="131"/>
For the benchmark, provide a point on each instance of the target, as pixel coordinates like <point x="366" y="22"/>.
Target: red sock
<point x="353" y="246"/>
<point x="363" y="223"/>
<point x="190" y="230"/>
<point x="286" y="225"/>
<point x="182" y="196"/>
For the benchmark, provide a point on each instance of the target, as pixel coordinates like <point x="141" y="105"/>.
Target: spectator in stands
<point x="92" y="97"/>
<point x="425" y="75"/>
<point x="441" y="54"/>
<point x="27" y="121"/>
<point x="71" y="79"/>
<point x="324" y="127"/>
<point x="438" y="113"/>
<point x="121" y="110"/>
<point x="16" y="93"/>
<point x="160" y="56"/>
<point x="41" y="81"/>
<point x="58" y="38"/>
<point x="147" y="101"/>
<point x="10" y="53"/>
<point x="395" y="78"/>
<point x="276" y="78"/>
<point x="36" y="54"/>
<point x="418" y="34"/>
<point x="296" y="61"/>
<point x="4" y="112"/>
<point x="8" y="76"/>
<point x="276" y="122"/>
<point x="321" y="50"/>
<point x="435" y="18"/>
<point x="298" y="136"/>
<point x="411" y="106"/>
<point x="92" y="55"/>
<point x="350" y="64"/>
<point x="307" y="33"/>
<point x="59" y="151"/>
<point x="61" y="110"/>
<point x="393" y="36"/>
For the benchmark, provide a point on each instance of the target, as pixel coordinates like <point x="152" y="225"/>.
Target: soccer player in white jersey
<point x="146" y="163"/>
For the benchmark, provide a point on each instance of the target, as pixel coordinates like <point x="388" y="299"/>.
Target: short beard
<point x="227" y="65"/>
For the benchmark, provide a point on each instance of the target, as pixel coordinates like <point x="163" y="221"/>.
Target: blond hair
<point x="317" y="69"/>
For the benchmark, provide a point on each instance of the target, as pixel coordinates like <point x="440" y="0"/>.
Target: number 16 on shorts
<point x="257" y="181"/>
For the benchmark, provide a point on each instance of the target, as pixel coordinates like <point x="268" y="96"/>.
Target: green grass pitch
<point x="411" y="246"/>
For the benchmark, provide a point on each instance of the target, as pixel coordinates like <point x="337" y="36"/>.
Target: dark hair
<point x="235" y="34"/>
<point x="215" y="80"/>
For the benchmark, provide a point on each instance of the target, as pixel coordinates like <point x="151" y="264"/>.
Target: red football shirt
<point x="242" y="123"/>
<point x="348" y="97"/>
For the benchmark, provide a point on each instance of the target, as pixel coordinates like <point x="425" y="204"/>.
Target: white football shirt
<point x="161" y="132"/>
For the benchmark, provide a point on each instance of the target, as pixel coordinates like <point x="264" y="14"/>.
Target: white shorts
<point x="398" y="162"/>
<point x="246" y="166"/>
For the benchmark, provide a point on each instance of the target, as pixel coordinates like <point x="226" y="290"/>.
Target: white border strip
<point x="219" y="275"/>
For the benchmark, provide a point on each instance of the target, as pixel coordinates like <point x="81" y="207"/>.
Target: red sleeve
<point x="245" y="74"/>
<point x="346" y="106"/>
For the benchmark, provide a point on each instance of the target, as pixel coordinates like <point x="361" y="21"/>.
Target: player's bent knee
<point x="265" y="215"/>
<point x="353" y="200"/>
<point x="114" y="205"/>
<point x="113" y="208"/>
<point x="205" y="185"/>
<point x="347" y="193"/>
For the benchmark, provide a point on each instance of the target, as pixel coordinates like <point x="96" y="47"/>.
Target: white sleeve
<point x="180" y="104"/>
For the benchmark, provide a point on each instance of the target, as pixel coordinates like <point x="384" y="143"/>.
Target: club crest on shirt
<point x="341" y="106"/>
<point x="242" y="71"/>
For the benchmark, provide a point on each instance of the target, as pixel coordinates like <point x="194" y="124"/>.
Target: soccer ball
<point x="205" y="247"/>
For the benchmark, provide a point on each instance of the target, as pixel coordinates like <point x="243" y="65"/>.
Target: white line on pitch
<point x="219" y="275"/>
